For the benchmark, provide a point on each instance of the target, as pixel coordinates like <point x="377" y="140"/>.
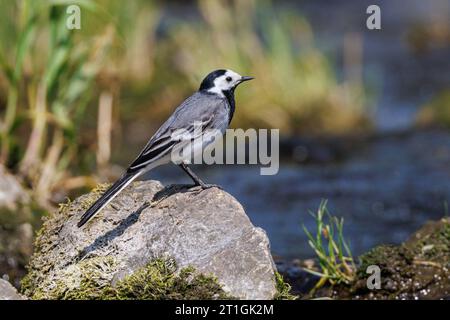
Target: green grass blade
<point x="24" y="43"/>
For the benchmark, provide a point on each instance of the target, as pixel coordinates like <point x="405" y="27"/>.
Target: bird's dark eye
<point x="228" y="79"/>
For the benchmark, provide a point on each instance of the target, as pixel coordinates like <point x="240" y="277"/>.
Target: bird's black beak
<point x="245" y="78"/>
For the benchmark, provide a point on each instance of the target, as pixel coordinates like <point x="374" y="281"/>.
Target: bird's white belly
<point x="192" y="151"/>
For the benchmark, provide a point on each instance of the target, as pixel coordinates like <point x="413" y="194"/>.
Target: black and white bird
<point x="212" y="106"/>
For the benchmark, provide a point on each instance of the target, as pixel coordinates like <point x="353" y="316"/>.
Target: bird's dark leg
<point x="195" y="178"/>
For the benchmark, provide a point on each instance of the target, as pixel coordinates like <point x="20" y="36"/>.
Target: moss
<point x="46" y="239"/>
<point x="93" y="196"/>
<point x="416" y="269"/>
<point x="389" y="258"/>
<point x="27" y="283"/>
<point x="283" y="289"/>
<point x="159" y="280"/>
<point x="432" y="242"/>
<point x="91" y="279"/>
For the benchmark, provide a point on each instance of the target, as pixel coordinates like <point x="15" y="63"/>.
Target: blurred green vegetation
<point x="145" y="62"/>
<point x="47" y="77"/>
<point x="296" y="89"/>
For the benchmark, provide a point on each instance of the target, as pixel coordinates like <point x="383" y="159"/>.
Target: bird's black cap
<point x="208" y="82"/>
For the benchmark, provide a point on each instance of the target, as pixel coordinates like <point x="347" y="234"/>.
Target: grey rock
<point x="207" y="229"/>
<point x="16" y="231"/>
<point x="11" y="191"/>
<point x="8" y="292"/>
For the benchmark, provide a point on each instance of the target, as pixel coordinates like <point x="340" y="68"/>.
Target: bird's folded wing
<point x="162" y="145"/>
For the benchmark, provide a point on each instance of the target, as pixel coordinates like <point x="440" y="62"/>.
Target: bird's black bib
<point x="229" y="94"/>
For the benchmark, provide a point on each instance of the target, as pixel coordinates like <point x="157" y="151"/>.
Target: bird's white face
<point x="225" y="82"/>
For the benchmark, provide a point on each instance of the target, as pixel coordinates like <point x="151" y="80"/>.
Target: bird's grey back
<point x="200" y="106"/>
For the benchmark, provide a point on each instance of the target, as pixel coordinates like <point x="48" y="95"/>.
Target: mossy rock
<point x="416" y="269"/>
<point x="92" y="279"/>
<point x="153" y="243"/>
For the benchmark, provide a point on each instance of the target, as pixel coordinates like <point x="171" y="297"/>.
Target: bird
<point x="212" y="105"/>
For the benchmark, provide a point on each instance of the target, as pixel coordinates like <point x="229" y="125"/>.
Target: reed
<point x="49" y="84"/>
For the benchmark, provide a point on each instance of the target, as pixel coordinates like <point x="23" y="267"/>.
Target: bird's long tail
<point x="110" y="194"/>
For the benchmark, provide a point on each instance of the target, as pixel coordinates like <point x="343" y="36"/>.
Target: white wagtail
<point x="212" y="105"/>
